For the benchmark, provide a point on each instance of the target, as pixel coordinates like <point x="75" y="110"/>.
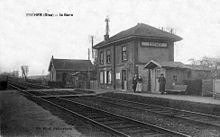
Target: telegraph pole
<point x="88" y="54"/>
<point x="92" y="40"/>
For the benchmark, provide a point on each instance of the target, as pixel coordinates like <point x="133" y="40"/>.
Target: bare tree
<point x="193" y="61"/>
<point x="206" y="62"/>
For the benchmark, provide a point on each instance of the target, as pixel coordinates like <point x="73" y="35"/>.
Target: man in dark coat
<point x="134" y="82"/>
<point x="162" y="82"/>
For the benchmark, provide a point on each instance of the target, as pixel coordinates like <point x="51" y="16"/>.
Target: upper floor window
<point x="108" y="56"/>
<point x="124" y="53"/>
<point x="101" y="57"/>
<point x="153" y="44"/>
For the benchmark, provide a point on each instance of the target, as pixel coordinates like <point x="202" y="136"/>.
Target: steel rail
<point x="162" y="109"/>
<point x="28" y="83"/>
<point x="131" y="119"/>
<point x="70" y="111"/>
<point x="86" y="118"/>
<point x="186" y="111"/>
<point x="102" y="125"/>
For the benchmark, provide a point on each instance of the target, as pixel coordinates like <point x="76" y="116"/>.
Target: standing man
<point x="162" y="82"/>
<point x="134" y="82"/>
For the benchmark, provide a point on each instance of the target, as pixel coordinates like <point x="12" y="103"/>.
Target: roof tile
<point x="72" y="64"/>
<point x="140" y="30"/>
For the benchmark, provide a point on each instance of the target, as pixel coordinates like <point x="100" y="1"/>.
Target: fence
<point x="216" y="87"/>
<point x="54" y="84"/>
<point x="207" y="87"/>
<point x="194" y="87"/>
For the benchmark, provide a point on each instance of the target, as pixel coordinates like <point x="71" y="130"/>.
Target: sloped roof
<point x="198" y="67"/>
<point x="166" y="64"/>
<point x="170" y="64"/>
<point x="140" y="30"/>
<point x="71" y="64"/>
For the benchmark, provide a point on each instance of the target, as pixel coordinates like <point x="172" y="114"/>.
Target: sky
<point x="32" y="40"/>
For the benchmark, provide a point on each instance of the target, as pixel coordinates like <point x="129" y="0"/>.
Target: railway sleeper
<point x="93" y="115"/>
<point x="149" y="135"/>
<point x="122" y="126"/>
<point x="196" y="119"/>
<point x="161" y="110"/>
<point x="108" y="121"/>
<point x="192" y="117"/>
<point x="156" y="109"/>
<point x="103" y="119"/>
<point x="89" y="112"/>
<point x="115" y="123"/>
<point x="138" y="131"/>
<point x="164" y="112"/>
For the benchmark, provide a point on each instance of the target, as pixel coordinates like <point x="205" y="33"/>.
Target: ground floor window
<point x="105" y="77"/>
<point x="101" y="77"/>
<point x="108" y="77"/>
<point x="175" y="78"/>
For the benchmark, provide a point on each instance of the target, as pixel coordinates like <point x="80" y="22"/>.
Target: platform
<point x="197" y="99"/>
<point x="207" y="105"/>
<point x="191" y="103"/>
<point x="201" y="104"/>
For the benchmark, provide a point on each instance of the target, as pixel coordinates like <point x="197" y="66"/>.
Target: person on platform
<point x="139" y="84"/>
<point x="162" y="83"/>
<point x="134" y="83"/>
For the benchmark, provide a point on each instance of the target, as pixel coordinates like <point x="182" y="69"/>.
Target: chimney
<point x="171" y="30"/>
<point x="106" y="36"/>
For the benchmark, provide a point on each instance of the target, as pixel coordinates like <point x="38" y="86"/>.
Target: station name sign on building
<point x="153" y="44"/>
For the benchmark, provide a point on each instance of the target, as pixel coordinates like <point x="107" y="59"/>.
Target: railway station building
<point x="125" y="54"/>
<point x="143" y="50"/>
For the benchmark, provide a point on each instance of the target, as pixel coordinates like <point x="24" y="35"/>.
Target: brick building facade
<point x="126" y="53"/>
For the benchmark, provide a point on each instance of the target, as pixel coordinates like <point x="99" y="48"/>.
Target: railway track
<point x="206" y="119"/>
<point x="116" y="125"/>
<point x="26" y="85"/>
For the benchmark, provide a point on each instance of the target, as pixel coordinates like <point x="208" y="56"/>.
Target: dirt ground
<point x="21" y="117"/>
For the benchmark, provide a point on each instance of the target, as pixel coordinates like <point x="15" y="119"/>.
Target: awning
<point x="152" y="64"/>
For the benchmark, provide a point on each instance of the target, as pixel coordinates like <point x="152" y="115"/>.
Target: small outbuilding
<point x="175" y="73"/>
<point x="70" y="72"/>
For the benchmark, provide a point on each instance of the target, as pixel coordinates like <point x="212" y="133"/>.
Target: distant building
<point x="15" y="73"/>
<point x="70" y="72"/>
<point x="125" y="54"/>
<point x="11" y="74"/>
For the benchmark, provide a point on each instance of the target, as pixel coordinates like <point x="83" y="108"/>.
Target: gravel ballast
<point x="166" y="122"/>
